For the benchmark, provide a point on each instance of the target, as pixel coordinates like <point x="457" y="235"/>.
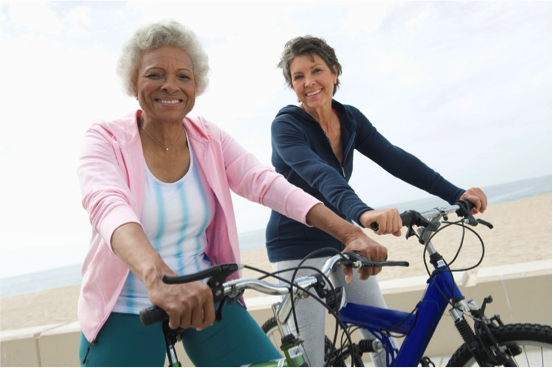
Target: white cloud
<point x="418" y="21"/>
<point x="35" y="17"/>
<point x="78" y="19"/>
<point x="216" y="20"/>
<point x="394" y="66"/>
<point x="79" y="15"/>
<point x="364" y="17"/>
<point x="51" y="92"/>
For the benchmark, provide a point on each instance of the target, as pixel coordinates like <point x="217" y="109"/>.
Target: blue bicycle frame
<point x="418" y="327"/>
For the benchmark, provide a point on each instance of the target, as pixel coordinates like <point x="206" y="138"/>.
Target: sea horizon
<point x="70" y="274"/>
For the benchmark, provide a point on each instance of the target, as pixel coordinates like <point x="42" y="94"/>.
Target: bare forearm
<point x="188" y="305"/>
<point x="324" y="219"/>
<point x="352" y="236"/>
<point x="133" y="247"/>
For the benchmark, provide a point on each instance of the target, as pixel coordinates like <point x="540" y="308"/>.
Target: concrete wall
<point x="522" y="293"/>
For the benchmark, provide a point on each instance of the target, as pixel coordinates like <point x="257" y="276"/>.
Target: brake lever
<point x="358" y="260"/>
<point x="465" y="211"/>
<point x="410" y="232"/>
<point x="215" y="282"/>
<point x="217" y="275"/>
<point x="485" y="223"/>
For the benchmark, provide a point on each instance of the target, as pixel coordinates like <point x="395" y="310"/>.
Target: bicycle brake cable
<point x="457" y="223"/>
<point x="326" y="306"/>
<point x="338" y="322"/>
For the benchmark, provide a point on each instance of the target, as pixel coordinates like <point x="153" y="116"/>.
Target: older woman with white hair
<point x="157" y="186"/>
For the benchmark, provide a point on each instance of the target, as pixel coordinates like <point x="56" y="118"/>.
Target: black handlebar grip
<point x="406" y="220"/>
<point x="354" y="256"/>
<point x="151" y="315"/>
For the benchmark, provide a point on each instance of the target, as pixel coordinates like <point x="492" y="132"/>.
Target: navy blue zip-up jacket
<point x="302" y="154"/>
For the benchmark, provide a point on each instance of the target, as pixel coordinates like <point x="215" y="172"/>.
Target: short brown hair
<point x="308" y="45"/>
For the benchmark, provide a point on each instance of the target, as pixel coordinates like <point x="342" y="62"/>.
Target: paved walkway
<point x="532" y="358"/>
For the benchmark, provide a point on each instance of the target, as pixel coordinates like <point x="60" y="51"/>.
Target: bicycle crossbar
<point x="418" y="327"/>
<point x="393" y="320"/>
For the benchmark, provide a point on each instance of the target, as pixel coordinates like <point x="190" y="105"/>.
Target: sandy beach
<point x="521" y="233"/>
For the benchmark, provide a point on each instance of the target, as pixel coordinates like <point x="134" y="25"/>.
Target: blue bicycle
<point x="489" y="342"/>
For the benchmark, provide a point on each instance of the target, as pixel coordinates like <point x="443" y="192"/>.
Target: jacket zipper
<point x="88" y="350"/>
<point x="347" y="150"/>
<point x="330" y="144"/>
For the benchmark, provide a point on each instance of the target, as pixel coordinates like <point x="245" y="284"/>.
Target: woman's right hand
<point x="388" y="220"/>
<point x="369" y="249"/>
<point x="188" y="305"/>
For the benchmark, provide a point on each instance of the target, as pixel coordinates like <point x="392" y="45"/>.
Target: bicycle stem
<point x="424" y="238"/>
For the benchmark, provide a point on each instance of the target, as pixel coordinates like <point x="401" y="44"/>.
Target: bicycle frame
<point x="293" y="356"/>
<point x="418" y="328"/>
<point x="292" y="348"/>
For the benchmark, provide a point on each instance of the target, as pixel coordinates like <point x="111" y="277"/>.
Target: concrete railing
<point x="521" y="293"/>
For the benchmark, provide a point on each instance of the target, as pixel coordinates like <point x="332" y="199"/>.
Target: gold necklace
<point x="155" y="140"/>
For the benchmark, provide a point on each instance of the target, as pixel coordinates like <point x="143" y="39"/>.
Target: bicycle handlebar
<point x="234" y="288"/>
<point x="426" y="218"/>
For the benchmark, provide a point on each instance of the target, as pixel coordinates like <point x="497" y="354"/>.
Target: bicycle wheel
<point x="534" y="342"/>
<point x="270" y="327"/>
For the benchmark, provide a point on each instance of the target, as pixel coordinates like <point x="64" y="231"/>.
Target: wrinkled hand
<point x="478" y="197"/>
<point x="188" y="305"/>
<point x="371" y="250"/>
<point x="389" y="221"/>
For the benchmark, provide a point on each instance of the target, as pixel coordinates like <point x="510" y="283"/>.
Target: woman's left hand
<point x="478" y="198"/>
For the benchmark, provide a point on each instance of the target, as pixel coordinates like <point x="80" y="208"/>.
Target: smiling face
<point x="165" y="86"/>
<point x="312" y="80"/>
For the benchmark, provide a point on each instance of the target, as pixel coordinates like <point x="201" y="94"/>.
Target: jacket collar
<point x="125" y="128"/>
<point x="196" y="129"/>
<point x="346" y="118"/>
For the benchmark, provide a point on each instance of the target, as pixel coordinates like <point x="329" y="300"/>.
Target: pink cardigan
<point x="111" y="174"/>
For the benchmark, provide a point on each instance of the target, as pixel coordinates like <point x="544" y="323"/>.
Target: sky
<point x="465" y="86"/>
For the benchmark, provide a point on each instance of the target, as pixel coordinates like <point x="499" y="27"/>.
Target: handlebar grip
<point x="465" y="204"/>
<point x="406" y="220"/>
<point x="354" y="256"/>
<point x="152" y="315"/>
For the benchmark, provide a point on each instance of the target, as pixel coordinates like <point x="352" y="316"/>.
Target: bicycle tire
<point x="270" y="327"/>
<point x="534" y="339"/>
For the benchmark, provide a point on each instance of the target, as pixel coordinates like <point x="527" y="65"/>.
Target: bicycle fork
<point x="481" y="341"/>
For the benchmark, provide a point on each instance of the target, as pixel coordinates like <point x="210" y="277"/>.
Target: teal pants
<point x="124" y="342"/>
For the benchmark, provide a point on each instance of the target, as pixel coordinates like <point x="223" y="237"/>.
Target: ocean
<point x="70" y="275"/>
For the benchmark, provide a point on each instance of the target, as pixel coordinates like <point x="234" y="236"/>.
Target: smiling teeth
<point x="169" y="101"/>
<point x="313" y="93"/>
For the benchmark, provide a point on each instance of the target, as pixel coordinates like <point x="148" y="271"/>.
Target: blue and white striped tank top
<point x="174" y="217"/>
